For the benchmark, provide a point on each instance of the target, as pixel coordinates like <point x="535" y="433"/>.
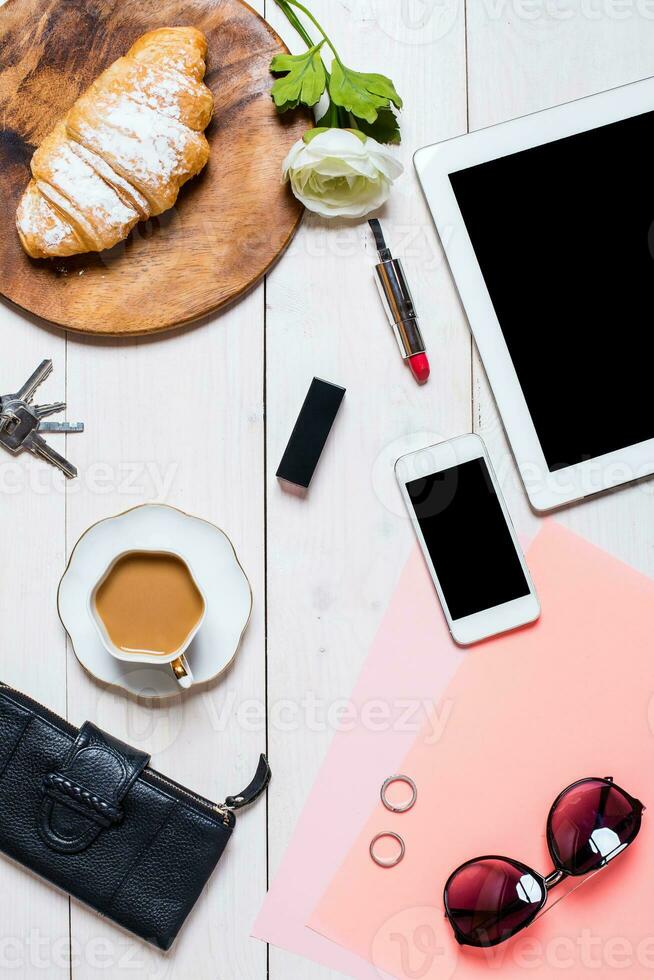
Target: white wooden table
<point x="322" y="568"/>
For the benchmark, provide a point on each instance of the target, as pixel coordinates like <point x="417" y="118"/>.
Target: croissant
<point x="124" y="149"/>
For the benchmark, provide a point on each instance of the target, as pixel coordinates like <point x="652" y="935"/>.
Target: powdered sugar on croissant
<point x="123" y="150"/>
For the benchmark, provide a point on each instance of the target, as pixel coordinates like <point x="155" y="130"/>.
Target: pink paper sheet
<point x="533" y="711"/>
<point x="409" y="665"/>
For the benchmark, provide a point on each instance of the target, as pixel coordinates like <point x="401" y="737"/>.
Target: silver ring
<point x="389" y="862"/>
<point x="401" y="807"/>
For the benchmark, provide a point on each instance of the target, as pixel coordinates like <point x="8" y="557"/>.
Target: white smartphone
<point x="467" y="538"/>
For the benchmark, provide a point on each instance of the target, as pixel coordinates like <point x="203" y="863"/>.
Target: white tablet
<point x="548" y="226"/>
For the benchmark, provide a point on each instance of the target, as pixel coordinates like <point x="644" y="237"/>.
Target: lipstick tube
<point x="398" y="303"/>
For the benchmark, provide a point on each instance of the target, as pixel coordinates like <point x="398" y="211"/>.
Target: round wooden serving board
<point x="229" y="224"/>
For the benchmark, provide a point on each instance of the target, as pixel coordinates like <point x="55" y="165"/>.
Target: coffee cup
<point x="147" y="608"/>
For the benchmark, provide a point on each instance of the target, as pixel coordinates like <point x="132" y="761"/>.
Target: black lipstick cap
<point x="310" y="433"/>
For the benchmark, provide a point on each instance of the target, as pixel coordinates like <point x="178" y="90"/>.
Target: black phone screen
<point x="469" y="543"/>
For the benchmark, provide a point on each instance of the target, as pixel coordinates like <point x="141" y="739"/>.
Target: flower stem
<point x="335" y="115"/>
<point x="307" y="13"/>
<point x="295" y="21"/>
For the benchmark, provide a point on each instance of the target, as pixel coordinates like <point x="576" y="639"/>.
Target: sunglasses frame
<point x="639" y="809"/>
<point x="555" y="877"/>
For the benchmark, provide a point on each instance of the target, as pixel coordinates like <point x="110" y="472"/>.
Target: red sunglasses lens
<point x="590" y="823"/>
<point x="490" y="899"/>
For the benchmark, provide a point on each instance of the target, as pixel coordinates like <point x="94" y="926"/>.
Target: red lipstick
<point x="419" y="365"/>
<point x="398" y="303"/>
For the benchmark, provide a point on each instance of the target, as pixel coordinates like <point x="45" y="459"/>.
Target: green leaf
<point x="385" y="129"/>
<point x="361" y="93"/>
<point x="304" y="78"/>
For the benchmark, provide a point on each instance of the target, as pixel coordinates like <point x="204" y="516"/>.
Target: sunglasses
<point x="491" y="898"/>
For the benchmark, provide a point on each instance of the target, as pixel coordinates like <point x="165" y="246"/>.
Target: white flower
<point x="340" y="173"/>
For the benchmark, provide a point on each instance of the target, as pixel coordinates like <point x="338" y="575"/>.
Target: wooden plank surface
<point x="33" y="648"/>
<point x="325" y="565"/>
<point x="206" y="457"/>
<point x="334" y="557"/>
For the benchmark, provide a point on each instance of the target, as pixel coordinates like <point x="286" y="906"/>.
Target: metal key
<point x="13" y="415"/>
<point x="64" y="427"/>
<point x="22" y="424"/>
<point x="20" y="420"/>
<point x="26" y="393"/>
<point x="20" y="432"/>
<point x="36" y="445"/>
<point x="44" y="410"/>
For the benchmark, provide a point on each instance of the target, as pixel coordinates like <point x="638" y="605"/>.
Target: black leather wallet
<point x="86" y="812"/>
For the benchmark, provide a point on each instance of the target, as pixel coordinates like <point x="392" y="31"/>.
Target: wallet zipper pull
<point x="252" y="792"/>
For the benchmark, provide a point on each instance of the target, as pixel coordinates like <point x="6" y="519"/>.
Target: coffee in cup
<point x="148" y="607"/>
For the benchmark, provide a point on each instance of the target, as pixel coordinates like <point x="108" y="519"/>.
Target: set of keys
<point x="22" y="424"/>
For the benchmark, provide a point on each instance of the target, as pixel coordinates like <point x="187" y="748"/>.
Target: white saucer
<point x="211" y="556"/>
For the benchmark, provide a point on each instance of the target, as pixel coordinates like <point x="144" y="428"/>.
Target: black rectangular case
<point x="86" y="812"/>
<point x="309" y="435"/>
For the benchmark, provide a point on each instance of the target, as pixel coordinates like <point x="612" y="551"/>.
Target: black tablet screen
<point x="564" y="236"/>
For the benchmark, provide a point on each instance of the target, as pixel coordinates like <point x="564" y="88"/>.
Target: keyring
<point x="401" y="807"/>
<point x="387" y="862"/>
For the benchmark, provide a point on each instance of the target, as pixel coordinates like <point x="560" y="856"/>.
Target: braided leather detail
<point x="61" y="784"/>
